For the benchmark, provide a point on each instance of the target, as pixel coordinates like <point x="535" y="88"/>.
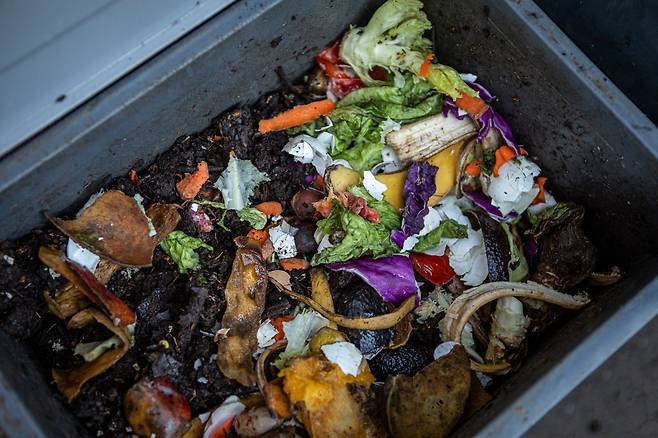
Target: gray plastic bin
<point x="597" y="148"/>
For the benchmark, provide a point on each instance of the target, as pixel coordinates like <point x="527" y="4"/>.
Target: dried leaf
<point x="86" y="282"/>
<point x="114" y="227"/>
<point x="69" y="382"/>
<point x="245" y="301"/>
<point x="69" y="300"/>
<point x="431" y="402"/>
<point x="156" y="408"/>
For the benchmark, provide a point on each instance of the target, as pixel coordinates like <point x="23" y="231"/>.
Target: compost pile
<point x="364" y="254"/>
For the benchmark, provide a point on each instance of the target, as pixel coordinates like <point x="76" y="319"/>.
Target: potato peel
<point x="69" y="382"/>
<point x="379" y="322"/>
<point x="245" y="302"/>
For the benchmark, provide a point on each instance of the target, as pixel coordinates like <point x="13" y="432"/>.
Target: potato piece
<point x="430" y="403"/>
<point x="329" y="402"/>
<point x="340" y="178"/>
<point x="394" y="185"/>
<point x="446" y="161"/>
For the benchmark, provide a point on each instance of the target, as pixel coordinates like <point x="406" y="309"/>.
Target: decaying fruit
<point x="155" y="407"/>
<point x="430" y="403"/>
<point x="329" y="402"/>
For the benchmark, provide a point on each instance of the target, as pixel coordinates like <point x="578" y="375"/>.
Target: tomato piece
<point x="377" y="73"/>
<point x="342" y="79"/>
<point x="435" y="269"/>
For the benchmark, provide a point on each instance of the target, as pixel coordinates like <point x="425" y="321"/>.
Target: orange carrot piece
<point x="523" y="152"/>
<point x="190" y="185"/>
<point x="133" y="176"/>
<point x="541" y="196"/>
<point x="223" y="430"/>
<point x="278" y="325"/>
<point x="270" y="208"/>
<point x="472" y="104"/>
<point x="297" y="116"/>
<point x="259" y="236"/>
<point x="503" y="155"/>
<point x="473" y="168"/>
<point x="291" y="264"/>
<point x="426" y="65"/>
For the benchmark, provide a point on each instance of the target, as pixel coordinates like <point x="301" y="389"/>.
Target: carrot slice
<point x="503" y="155"/>
<point x="473" y="168"/>
<point x="426" y="65"/>
<point x="190" y="185"/>
<point x="278" y="325"/>
<point x="292" y="264"/>
<point x="270" y="208"/>
<point x="541" y="196"/>
<point x="297" y="116"/>
<point x="472" y="104"/>
<point x="259" y="236"/>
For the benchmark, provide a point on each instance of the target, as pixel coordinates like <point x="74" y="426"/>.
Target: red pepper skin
<point x="341" y="78"/>
<point x="435" y="269"/>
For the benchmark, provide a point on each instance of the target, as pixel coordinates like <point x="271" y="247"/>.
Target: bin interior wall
<point x="587" y="153"/>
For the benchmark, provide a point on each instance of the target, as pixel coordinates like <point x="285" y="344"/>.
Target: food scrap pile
<point x="364" y="254"/>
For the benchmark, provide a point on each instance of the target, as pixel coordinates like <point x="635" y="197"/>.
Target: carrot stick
<point x="473" y="168"/>
<point x="190" y="185"/>
<point x="426" y="65"/>
<point x="259" y="236"/>
<point x="540" y="198"/>
<point x="297" y="116"/>
<point x="503" y="155"/>
<point x="291" y="264"/>
<point x="471" y="104"/>
<point x="270" y="208"/>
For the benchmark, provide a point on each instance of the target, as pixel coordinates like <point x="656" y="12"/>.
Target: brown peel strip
<point x="69" y="300"/>
<point x="88" y="284"/>
<point x="320" y="291"/>
<point x="275" y="399"/>
<point x="379" y="322"/>
<point x="245" y="302"/>
<point x="115" y="228"/>
<point x="69" y="382"/>
<point x="465" y="305"/>
<point x="461" y="165"/>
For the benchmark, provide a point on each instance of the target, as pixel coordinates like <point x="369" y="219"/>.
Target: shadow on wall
<point x="621" y="38"/>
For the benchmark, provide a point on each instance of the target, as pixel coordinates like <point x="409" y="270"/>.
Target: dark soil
<point x="177" y="315"/>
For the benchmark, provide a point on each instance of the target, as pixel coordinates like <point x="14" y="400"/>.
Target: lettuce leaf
<point x="448" y="229"/>
<point x="180" y="247"/>
<point x="362" y="237"/>
<point x="256" y="218"/>
<point x="393" y="39"/>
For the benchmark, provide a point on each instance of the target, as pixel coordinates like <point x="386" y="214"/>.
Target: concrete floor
<point x="620" y="399"/>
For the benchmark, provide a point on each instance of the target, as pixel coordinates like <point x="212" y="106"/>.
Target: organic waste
<point x="348" y="257"/>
